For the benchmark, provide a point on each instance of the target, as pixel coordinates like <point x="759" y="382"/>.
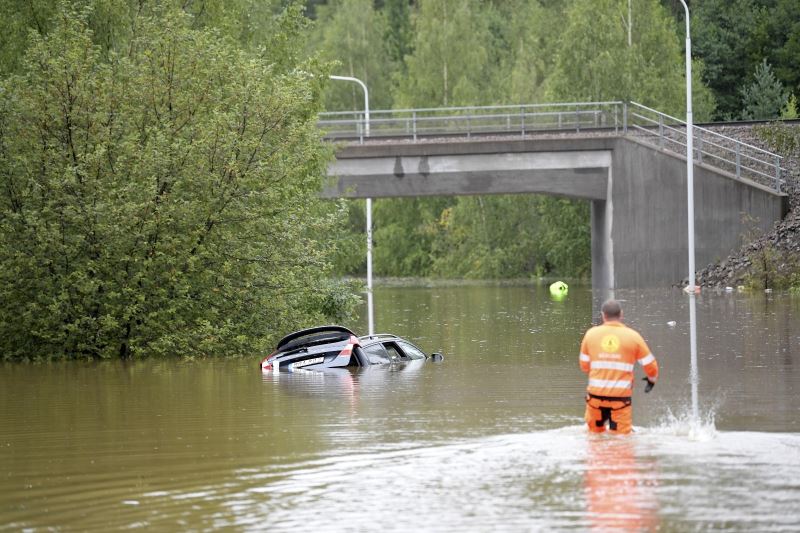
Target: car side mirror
<point x="436" y="357"/>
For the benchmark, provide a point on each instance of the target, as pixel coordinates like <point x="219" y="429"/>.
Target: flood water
<point x="491" y="439"/>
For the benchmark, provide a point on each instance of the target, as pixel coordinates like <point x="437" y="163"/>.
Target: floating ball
<point x="559" y="289"/>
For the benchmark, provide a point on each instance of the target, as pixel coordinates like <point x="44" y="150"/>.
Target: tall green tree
<point x="20" y="19"/>
<point x="160" y="201"/>
<point x="565" y="236"/>
<point x="528" y="33"/>
<point x="732" y="37"/>
<point x="254" y="24"/>
<point x="398" y="33"/>
<point x="489" y="237"/>
<point x="451" y="56"/>
<point x="595" y="63"/>
<point x="765" y="97"/>
<point x="404" y="232"/>
<point x="351" y="33"/>
<point x="783" y="48"/>
<point x="726" y="36"/>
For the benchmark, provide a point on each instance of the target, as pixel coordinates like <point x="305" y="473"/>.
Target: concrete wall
<point x="638" y="194"/>
<point x="649" y="227"/>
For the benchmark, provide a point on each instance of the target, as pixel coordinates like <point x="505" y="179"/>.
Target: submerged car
<point x="336" y="347"/>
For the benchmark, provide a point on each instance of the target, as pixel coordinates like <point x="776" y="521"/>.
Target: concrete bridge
<point x="631" y="171"/>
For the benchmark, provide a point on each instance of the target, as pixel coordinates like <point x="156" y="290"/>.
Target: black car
<point x="337" y="346"/>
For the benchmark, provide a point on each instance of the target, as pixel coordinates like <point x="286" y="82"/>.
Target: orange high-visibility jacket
<point x="609" y="353"/>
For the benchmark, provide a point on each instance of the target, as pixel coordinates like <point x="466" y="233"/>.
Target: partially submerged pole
<point x="370" y="313"/>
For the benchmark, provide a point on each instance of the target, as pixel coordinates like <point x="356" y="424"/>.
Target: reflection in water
<point x="694" y="376"/>
<point x="347" y="391"/>
<point x="620" y="490"/>
<point x="343" y="382"/>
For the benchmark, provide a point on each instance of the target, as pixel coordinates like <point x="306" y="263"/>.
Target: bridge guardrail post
<point x="699" y="145"/>
<point x="577" y="121"/>
<point x="661" y="131"/>
<point x="522" y="119"/>
<point x="624" y="118"/>
<point x="414" y="124"/>
<point x="738" y="160"/>
<point x="778" y="173"/>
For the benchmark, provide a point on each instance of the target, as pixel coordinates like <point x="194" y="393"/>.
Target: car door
<point x="377" y="354"/>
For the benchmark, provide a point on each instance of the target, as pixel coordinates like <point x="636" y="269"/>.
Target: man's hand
<point x="649" y="386"/>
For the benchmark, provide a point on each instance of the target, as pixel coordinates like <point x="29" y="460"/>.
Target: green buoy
<point x="559" y="289"/>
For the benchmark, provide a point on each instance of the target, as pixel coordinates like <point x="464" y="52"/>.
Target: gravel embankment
<point x="784" y="239"/>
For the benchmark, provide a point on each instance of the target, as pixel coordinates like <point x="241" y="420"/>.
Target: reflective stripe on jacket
<point x="609" y="353"/>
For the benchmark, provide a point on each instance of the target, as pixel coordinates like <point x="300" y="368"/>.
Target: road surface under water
<point x="492" y="439"/>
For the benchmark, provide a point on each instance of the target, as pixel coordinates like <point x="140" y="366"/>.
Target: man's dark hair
<point x="611" y="309"/>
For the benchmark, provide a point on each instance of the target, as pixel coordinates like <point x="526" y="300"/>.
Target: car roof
<point x="379" y="337"/>
<point x="367" y="340"/>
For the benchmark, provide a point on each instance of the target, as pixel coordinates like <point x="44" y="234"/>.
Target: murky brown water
<point x="491" y="439"/>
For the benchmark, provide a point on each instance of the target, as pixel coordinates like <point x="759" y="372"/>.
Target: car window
<point x="411" y="351"/>
<point x="377" y="353"/>
<point x="395" y="353"/>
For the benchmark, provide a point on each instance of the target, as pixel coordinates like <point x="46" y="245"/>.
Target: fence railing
<point x="740" y="159"/>
<point x="713" y="149"/>
<point x="468" y="121"/>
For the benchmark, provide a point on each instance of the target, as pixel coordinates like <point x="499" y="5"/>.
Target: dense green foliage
<point x="161" y="197"/>
<point x="488" y="237"/>
<point x="597" y="63"/>
<point x="734" y="37"/>
<point x="353" y="34"/>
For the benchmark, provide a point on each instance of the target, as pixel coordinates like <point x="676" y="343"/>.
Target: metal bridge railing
<point x="716" y="150"/>
<point x="740" y="159"/>
<point x="468" y="121"/>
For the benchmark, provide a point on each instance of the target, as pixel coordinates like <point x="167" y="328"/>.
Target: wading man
<point x="609" y="353"/>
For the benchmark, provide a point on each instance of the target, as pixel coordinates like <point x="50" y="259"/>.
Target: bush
<point x="773" y="269"/>
<point x="160" y="201"/>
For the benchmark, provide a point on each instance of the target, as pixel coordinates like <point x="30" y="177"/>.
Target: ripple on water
<point x="558" y="479"/>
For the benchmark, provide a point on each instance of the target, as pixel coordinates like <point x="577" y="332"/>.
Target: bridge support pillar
<point x="602" y="245"/>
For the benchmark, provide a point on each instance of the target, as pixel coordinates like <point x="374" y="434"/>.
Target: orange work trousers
<point x="617" y="413"/>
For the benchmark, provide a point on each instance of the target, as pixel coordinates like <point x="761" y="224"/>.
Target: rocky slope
<point x="769" y="257"/>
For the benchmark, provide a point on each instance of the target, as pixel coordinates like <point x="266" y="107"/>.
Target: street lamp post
<point x="366" y="98"/>
<point x="370" y="313"/>
<point x="691" y="287"/>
